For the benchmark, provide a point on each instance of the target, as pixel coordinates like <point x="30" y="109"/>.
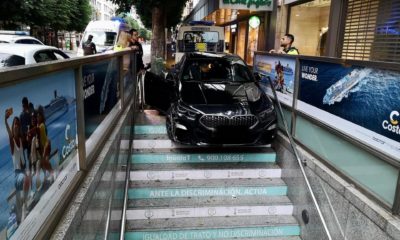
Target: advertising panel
<point x="38" y="139"/>
<point x="282" y="72"/>
<point x="101" y="88"/>
<point x="254" y="5"/>
<point x="360" y="101"/>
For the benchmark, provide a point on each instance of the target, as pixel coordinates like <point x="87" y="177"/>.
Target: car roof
<point x="9" y="37"/>
<point x="22" y="49"/>
<point x="199" y="55"/>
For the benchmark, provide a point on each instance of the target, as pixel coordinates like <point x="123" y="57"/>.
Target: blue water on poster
<point x="56" y="133"/>
<point x="367" y="104"/>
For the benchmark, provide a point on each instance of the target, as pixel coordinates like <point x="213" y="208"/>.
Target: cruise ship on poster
<point x="57" y="107"/>
<point x="342" y="88"/>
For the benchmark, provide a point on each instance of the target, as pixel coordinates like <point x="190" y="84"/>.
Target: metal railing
<point x="299" y="161"/>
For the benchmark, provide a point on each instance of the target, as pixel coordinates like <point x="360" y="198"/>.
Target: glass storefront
<point x="241" y="42"/>
<point x="309" y="25"/>
<point x="252" y="42"/>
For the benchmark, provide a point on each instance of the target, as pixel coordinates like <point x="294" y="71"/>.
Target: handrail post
<point x="80" y="115"/>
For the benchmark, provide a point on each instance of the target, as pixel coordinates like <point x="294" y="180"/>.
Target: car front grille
<point x="214" y="121"/>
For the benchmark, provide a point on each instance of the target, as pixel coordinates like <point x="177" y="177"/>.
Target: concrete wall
<point x="349" y="213"/>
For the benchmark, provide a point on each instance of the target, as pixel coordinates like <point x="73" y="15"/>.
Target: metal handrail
<point x="299" y="161"/>
<point x="128" y="164"/>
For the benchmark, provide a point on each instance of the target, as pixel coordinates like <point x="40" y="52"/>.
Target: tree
<point x="157" y="15"/>
<point x="47" y="15"/>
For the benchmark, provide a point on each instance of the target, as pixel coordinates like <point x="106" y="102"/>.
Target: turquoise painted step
<point x="147" y="129"/>
<point x="151" y="193"/>
<point x="203" y="158"/>
<point x="225" y="233"/>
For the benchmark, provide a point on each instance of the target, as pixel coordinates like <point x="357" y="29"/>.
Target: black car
<point x="212" y="99"/>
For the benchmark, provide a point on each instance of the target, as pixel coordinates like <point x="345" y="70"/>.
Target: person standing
<point x="286" y="43"/>
<point x="89" y="48"/>
<point x="135" y="45"/>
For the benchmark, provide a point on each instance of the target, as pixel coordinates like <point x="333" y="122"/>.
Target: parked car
<point x="9" y="38"/>
<point x="212" y="99"/>
<point x="23" y="54"/>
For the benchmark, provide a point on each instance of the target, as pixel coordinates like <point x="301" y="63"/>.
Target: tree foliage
<point x="55" y="14"/>
<point x="172" y="10"/>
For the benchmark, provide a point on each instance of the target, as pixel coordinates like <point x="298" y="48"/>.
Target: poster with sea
<point x="359" y="101"/>
<point x="38" y="139"/>
<point x="101" y="88"/>
<point x="281" y="70"/>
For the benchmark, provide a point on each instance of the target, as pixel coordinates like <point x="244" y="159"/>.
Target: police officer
<point x="286" y="43"/>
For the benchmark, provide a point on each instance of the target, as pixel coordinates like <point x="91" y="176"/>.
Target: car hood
<point x="227" y="97"/>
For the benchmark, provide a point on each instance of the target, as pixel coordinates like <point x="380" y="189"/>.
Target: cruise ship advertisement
<point x="361" y="101"/>
<point x="100" y="85"/>
<point x="281" y="70"/>
<point x="37" y="142"/>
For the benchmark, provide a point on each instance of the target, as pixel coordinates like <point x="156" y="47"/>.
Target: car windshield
<point x="101" y="38"/>
<point x="9" y="60"/>
<point x="216" y="70"/>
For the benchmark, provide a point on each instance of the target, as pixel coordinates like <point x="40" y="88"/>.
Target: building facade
<point x="351" y="29"/>
<point x="102" y="9"/>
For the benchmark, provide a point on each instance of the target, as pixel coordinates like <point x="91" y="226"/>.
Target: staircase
<point x="185" y="192"/>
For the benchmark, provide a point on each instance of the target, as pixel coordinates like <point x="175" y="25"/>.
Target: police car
<point x="23" y="54"/>
<point x="18" y="37"/>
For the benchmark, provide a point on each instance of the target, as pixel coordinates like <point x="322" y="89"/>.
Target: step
<point x="203" y="157"/>
<point x="205" y="188"/>
<point x="215" y="227"/>
<point x="204" y="174"/>
<point x="209" y="211"/>
<point x="208" y="201"/>
<point x="150" y="129"/>
<point x="200" y="166"/>
<point x="163" y="145"/>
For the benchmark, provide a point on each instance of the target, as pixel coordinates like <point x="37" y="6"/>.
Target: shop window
<point x="309" y="25"/>
<point x="252" y="41"/>
<point x="241" y="43"/>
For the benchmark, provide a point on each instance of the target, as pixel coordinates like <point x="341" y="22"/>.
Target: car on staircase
<point x="212" y="99"/>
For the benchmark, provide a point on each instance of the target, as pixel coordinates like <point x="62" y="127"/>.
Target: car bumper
<point x="192" y="132"/>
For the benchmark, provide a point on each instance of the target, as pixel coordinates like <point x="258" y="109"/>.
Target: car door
<point x="158" y="91"/>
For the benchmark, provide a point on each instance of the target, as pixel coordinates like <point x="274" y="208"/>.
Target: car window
<point x="101" y="38"/>
<point x="28" y="41"/>
<point x="60" y="55"/>
<point x="241" y="73"/>
<point x="44" y="56"/>
<point x="207" y="70"/>
<point x="9" y="60"/>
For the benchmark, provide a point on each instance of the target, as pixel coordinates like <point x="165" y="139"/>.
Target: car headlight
<point x="186" y="111"/>
<point x="253" y="93"/>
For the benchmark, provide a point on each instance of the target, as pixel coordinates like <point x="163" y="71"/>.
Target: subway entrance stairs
<point x="187" y="192"/>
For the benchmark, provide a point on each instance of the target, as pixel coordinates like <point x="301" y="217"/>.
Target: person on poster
<point x="286" y="43"/>
<point x="22" y="181"/>
<point x="89" y="48"/>
<point x="35" y="153"/>
<point x="45" y="144"/>
<point x="135" y="45"/>
<point x="279" y="80"/>
<point x="25" y="119"/>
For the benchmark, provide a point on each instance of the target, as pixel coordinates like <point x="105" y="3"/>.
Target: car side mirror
<point x="257" y="76"/>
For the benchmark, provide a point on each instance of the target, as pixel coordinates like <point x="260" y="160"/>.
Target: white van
<point x="105" y="34"/>
<point x="199" y="36"/>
